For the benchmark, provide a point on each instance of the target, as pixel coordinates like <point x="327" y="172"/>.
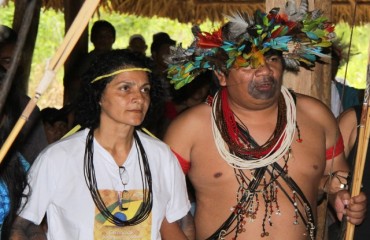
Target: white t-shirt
<point x="58" y="187"/>
<point x="336" y="102"/>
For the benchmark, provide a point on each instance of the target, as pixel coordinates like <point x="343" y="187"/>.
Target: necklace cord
<point x="90" y="178"/>
<point x="272" y="152"/>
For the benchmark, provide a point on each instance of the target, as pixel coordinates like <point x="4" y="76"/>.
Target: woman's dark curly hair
<point x="88" y="108"/>
<point x="12" y="173"/>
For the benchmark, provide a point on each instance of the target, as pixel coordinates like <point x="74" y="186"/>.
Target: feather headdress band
<point x="243" y="41"/>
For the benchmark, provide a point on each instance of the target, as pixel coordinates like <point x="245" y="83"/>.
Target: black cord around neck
<point x="90" y="178"/>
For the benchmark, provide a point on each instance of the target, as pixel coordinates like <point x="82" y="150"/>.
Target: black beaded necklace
<point x="90" y="178"/>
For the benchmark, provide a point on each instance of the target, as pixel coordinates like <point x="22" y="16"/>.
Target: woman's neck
<point x="117" y="143"/>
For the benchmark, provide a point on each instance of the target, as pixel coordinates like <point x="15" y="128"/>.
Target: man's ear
<point x="221" y="77"/>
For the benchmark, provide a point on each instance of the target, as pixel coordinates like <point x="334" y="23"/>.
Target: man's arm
<point x="335" y="181"/>
<point x="187" y="226"/>
<point x="348" y="127"/>
<point x="347" y="122"/>
<point x="23" y="229"/>
<point x="335" y="184"/>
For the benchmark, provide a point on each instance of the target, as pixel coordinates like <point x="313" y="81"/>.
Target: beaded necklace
<point x="235" y="144"/>
<point x="90" y="178"/>
<point x="239" y="149"/>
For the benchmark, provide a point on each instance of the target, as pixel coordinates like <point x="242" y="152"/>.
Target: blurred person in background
<point x="137" y="44"/>
<point x="33" y="131"/>
<point x="55" y="123"/>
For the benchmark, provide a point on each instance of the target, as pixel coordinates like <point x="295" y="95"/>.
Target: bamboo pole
<point x="363" y="141"/>
<point x="69" y="41"/>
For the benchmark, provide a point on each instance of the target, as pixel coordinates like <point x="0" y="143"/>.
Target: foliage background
<point x="51" y="32"/>
<point x="355" y="72"/>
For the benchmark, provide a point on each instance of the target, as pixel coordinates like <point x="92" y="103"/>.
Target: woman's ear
<point x="221" y="77"/>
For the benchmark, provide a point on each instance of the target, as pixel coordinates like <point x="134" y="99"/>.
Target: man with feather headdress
<point x="259" y="155"/>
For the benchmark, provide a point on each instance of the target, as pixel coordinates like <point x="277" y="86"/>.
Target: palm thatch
<point x="197" y="11"/>
<point x="344" y="10"/>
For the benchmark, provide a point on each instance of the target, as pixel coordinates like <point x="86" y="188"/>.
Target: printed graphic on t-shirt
<point x="123" y="205"/>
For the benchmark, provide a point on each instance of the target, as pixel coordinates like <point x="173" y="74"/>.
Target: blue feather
<point x="312" y="36"/>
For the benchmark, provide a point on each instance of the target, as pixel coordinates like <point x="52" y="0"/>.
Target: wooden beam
<point x="241" y="2"/>
<point x="198" y="2"/>
<point x="349" y="2"/>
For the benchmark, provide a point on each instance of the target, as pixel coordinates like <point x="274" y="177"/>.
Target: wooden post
<point x="24" y="68"/>
<point x="71" y="81"/>
<point x="322" y="77"/>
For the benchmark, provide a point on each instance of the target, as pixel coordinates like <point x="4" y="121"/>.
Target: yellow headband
<point x="120" y="71"/>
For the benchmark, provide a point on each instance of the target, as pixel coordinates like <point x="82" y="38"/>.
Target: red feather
<point x="329" y="27"/>
<point x="283" y="20"/>
<point x="277" y="32"/>
<point x="210" y="40"/>
<point x="291" y="25"/>
<point x="282" y="17"/>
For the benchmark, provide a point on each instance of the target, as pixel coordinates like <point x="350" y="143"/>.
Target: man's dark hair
<point x="184" y="93"/>
<point x="7" y="35"/>
<point x="160" y="39"/>
<point x="99" y="25"/>
<point x="52" y="115"/>
<point x="88" y="108"/>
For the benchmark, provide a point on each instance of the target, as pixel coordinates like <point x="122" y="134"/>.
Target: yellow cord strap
<point x="72" y="131"/>
<point x="148" y="132"/>
<point x="120" y="71"/>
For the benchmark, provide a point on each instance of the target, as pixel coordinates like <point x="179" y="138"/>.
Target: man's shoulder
<point x="310" y="103"/>
<point x="188" y="128"/>
<point x="202" y="110"/>
<point x="312" y="110"/>
<point x="193" y="118"/>
<point x="349" y="117"/>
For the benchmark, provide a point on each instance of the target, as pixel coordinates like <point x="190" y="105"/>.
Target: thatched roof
<point x="200" y="10"/>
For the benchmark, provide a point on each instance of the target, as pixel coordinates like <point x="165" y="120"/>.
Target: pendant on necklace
<point x="123" y="196"/>
<point x="123" y="200"/>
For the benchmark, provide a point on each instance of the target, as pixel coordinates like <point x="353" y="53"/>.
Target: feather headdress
<point x="301" y="36"/>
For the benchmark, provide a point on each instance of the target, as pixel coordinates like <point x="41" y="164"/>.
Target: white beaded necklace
<point x="285" y="139"/>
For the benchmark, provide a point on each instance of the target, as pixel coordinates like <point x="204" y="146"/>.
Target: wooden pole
<point x="69" y="41"/>
<point x="363" y="141"/>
